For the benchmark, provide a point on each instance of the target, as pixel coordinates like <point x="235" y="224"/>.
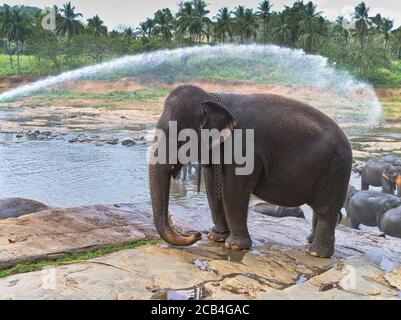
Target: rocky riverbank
<point x="365" y="266"/>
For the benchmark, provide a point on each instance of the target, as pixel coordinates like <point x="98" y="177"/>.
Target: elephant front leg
<point x="236" y="203"/>
<point x="220" y="231"/>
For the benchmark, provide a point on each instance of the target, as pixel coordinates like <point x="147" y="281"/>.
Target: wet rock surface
<point x="365" y="265"/>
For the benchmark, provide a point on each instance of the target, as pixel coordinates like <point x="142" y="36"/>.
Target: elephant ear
<point x="217" y="116"/>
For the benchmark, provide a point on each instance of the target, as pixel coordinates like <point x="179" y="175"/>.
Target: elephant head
<point x="190" y="108"/>
<point x="387" y="204"/>
<point x="393" y="174"/>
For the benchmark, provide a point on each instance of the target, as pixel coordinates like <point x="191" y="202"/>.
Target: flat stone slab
<point x="365" y="266"/>
<point x="55" y="232"/>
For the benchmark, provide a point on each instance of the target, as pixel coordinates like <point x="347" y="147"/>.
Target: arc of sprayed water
<point x="313" y="67"/>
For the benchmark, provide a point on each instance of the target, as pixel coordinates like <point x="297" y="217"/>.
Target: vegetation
<point x="72" y="258"/>
<point x="370" y="49"/>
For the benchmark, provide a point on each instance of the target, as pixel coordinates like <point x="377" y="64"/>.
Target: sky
<point x="132" y="12"/>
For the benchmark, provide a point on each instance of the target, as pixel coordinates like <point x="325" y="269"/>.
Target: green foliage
<point x="371" y="51"/>
<point x="75" y="257"/>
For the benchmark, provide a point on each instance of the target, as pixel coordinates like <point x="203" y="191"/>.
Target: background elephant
<point x="390" y="223"/>
<point x="16" y="207"/>
<point x="391" y="159"/>
<point x="379" y="173"/>
<point x="285" y="131"/>
<point x="368" y="207"/>
<point x="277" y="211"/>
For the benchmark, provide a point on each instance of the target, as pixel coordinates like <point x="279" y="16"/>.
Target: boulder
<point x="16" y="207"/>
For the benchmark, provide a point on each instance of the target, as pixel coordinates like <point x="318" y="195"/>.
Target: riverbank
<point x="276" y="267"/>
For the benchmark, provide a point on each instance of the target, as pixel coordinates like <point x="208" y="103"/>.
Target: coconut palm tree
<point x="185" y="17"/>
<point x="200" y="19"/>
<point x="239" y="13"/>
<point x="250" y="25"/>
<point x="146" y="28"/>
<point x="263" y="12"/>
<point x="16" y="29"/>
<point x="68" y="24"/>
<point x="5" y="18"/>
<point x="282" y="32"/>
<point x="363" y="21"/>
<point x="224" y="23"/>
<point x="397" y="35"/>
<point x="386" y="27"/>
<point x="340" y="30"/>
<point x="164" y="24"/>
<point x="311" y="27"/>
<point x="96" y="26"/>
<point x="129" y="34"/>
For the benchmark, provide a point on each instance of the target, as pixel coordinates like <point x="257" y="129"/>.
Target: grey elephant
<point x="379" y="173"/>
<point x="17" y="207"/>
<point x="391" y="159"/>
<point x="277" y="211"/>
<point x="390" y="223"/>
<point x="284" y="130"/>
<point x="368" y="207"/>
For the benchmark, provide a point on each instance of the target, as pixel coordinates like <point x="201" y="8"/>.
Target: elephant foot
<point x="310" y="238"/>
<point x="320" y="251"/>
<point x="237" y="243"/>
<point x="218" y="236"/>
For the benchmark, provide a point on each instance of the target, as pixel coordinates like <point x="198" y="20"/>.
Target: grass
<point x="73" y="257"/>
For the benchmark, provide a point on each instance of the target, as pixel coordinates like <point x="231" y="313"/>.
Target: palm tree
<point x="16" y="29"/>
<point x="386" y="27"/>
<point x="282" y="33"/>
<point x="185" y="17"/>
<point x="363" y="21"/>
<point x="68" y="23"/>
<point x="311" y="27"/>
<point x="5" y="18"/>
<point x="339" y="29"/>
<point x="164" y="22"/>
<point x="96" y="26"/>
<point x="264" y="14"/>
<point x="129" y="34"/>
<point x="397" y="35"/>
<point x="146" y="28"/>
<point x="200" y="19"/>
<point x="224" y="24"/>
<point x="239" y="14"/>
<point x="250" y="25"/>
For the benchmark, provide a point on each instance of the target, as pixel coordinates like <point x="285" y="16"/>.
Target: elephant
<point x="379" y="173"/>
<point x="390" y="223"/>
<point x="368" y="207"/>
<point x="17" y="207"/>
<point x="300" y="156"/>
<point x="391" y="159"/>
<point x="277" y="211"/>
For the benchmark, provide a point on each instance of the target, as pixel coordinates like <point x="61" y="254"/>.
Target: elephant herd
<point x="373" y="208"/>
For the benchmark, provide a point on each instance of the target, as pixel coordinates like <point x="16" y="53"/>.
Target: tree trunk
<point x="18" y="52"/>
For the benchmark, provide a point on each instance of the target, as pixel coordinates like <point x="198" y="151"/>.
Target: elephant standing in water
<point x="379" y="173"/>
<point x="301" y="156"/>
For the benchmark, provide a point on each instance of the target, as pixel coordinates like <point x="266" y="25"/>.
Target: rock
<point x="364" y="266"/>
<point x="16" y="207"/>
<point x="112" y="141"/>
<point x="128" y="142"/>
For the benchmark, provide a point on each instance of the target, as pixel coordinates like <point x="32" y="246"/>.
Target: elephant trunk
<point x="159" y="181"/>
<point x="398" y="183"/>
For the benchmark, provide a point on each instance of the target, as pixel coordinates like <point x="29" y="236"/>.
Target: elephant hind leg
<point x="324" y="232"/>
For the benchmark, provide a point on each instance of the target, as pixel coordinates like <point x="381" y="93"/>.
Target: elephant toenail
<point x="314" y="254"/>
<point x="236" y="248"/>
<point x="227" y="245"/>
